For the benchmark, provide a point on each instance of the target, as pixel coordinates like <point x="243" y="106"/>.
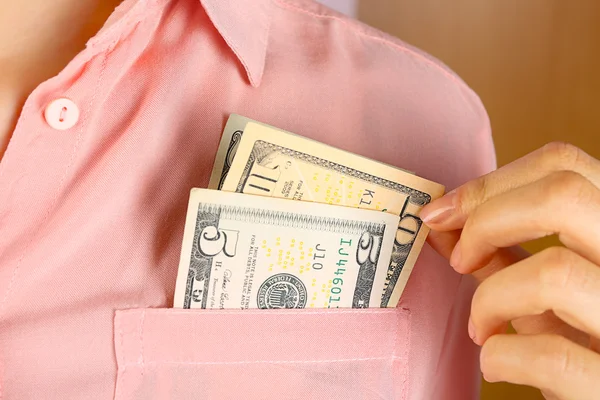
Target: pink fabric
<point x="91" y="218"/>
<point x="302" y="354"/>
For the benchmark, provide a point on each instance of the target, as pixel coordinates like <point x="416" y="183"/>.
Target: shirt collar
<point x="243" y="24"/>
<point x="245" y="29"/>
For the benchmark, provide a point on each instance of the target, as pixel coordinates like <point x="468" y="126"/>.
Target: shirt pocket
<point x="262" y="354"/>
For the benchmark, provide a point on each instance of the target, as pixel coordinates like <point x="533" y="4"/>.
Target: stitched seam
<point x="20" y="122"/>
<point x="60" y="183"/>
<point x="266" y="42"/>
<point x="395" y="339"/>
<point x="387" y="42"/>
<point x="114" y="33"/>
<point x="141" y="357"/>
<point x="406" y="354"/>
<point x="106" y="41"/>
<point x="207" y="314"/>
<point x="396" y="330"/>
<point x="447" y="324"/>
<point x="2" y="378"/>
<point x="406" y="311"/>
<point x="267" y="361"/>
<point x="121" y="372"/>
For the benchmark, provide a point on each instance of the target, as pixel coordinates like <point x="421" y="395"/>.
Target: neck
<point x="37" y="40"/>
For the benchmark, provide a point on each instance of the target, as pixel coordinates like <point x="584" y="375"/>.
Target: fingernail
<point x="471" y="330"/>
<point x="439" y="210"/>
<point x="455" y="256"/>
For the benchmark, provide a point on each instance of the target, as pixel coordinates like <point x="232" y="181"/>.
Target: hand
<point x="552" y="297"/>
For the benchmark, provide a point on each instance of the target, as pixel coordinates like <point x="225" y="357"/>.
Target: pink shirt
<point x="93" y="194"/>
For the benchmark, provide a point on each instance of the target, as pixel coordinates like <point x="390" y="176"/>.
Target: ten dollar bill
<point x="275" y="163"/>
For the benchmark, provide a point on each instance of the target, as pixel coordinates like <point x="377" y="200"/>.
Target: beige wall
<point x="535" y="64"/>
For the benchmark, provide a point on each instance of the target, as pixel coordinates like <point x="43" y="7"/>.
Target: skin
<point x="37" y="40"/>
<point x="552" y="298"/>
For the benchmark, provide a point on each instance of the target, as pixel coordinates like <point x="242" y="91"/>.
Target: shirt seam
<point x="159" y="362"/>
<point x="120" y="356"/>
<point x="141" y="357"/>
<point x="80" y="132"/>
<point x="106" y="39"/>
<point x="407" y="352"/>
<point x="354" y="27"/>
<point x="189" y="313"/>
<point x="447" y="330"/>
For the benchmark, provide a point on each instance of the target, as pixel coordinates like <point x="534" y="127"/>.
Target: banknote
<point x="230" y="140"/>
<point x="270" y="162"/>
<point x="243" y="251"/>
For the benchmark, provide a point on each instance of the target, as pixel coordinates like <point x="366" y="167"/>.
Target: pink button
<point x="61" y="114"/>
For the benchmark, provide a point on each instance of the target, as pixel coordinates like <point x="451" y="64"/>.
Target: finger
<point x="444" y="243"/>
<point x="555" y="279"/>
<point x="549" y="362"/>
<point x="451" y="211"/>
<point x="549" y="396"/>
<point x="564" y="203"/>
<point x="549" y="323"/>
<point x="594" y="344"/>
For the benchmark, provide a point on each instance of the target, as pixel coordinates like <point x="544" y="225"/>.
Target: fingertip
<point x="471" y="328"/>
<point x="488" y="362"/>
<point x="436" y="216"/>
<point x="468" y="257"/>
<point x="439" y="213"/>
<point x="443" y="242"/>
<point x="456" y="256"/>
<point x="485" y="331"/>
<point x="459" y="260"/>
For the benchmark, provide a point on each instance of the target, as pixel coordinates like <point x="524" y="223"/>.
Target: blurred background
<point x="534" y="63"/>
